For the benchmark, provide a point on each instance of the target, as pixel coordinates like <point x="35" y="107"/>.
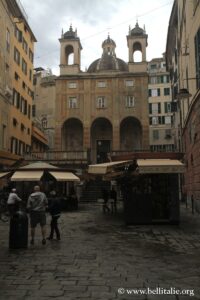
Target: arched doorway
<point x="101" y="139"/>
<point x="130" y="134"/>
<point x="72" y="135"/>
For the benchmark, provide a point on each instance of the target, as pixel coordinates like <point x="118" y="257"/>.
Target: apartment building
<point x="160" y="106"/>
<point x="22" y="82"/>
<point x="183" y="63"/>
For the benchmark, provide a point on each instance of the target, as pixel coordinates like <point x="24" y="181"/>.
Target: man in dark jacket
<point x="55" y="211"/>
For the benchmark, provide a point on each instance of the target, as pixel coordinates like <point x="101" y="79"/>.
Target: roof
<point x="108" y="63"/>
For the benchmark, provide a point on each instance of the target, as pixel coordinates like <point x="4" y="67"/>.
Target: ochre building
<point x="105" y="109"/>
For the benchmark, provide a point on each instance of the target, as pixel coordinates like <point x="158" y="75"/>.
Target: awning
<point x="104" y="168"/>
<point x="27" y="176"/>
<point x="153" y="166"/>
<point x="64" y="176"/>
<point x="3" y="174"/>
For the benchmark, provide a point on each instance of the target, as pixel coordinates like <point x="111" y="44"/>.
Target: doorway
<point x="103" y="148"/>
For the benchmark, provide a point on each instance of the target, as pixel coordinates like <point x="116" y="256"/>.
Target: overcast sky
<point x="94" y="19"/>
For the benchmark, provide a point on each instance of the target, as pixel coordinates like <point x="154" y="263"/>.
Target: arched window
<point x="69" y="53"/>
<point x="137" y="52"/>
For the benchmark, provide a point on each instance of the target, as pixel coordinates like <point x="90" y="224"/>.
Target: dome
<point x="70" y="34"/>
<point x="108" y="63"/>
<point x="137" y="30"/>
<point x="108" y="41"/>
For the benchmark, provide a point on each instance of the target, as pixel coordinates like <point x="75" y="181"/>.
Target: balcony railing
<point x="73" y="156"/>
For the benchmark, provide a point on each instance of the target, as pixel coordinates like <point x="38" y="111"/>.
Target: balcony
<point x="59" y="157"/>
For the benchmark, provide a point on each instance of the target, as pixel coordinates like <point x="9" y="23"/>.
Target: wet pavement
<point x="99" y="258"/>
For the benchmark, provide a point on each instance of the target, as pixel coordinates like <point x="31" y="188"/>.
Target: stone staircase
<point x="92" y="190"/>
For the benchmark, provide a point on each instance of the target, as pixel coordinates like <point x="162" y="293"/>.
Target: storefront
<point x="150" y="188"/>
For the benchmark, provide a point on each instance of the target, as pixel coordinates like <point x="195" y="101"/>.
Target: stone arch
<point x="137" y="52"/>
<point x="130" y="134"/>
<point x="69" y="54"/>
<point x="101" y="139"/>
<point x="72" y="135"/>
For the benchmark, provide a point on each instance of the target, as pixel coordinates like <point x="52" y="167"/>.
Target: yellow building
<point x="20" y="116"/>
<point x="8" y="10"/>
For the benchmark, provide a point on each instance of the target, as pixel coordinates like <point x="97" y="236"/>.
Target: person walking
<point x="37" y="205"/>
<point x="55" y="211"/>
<point x="113" y="196"/>
<point x="105" y="198"/>
<point x="13" y="202"/>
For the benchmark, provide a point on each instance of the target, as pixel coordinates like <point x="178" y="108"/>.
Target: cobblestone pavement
<point x="98" y="255"/>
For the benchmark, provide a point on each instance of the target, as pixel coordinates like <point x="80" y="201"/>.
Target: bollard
<point x="18" y="235"/>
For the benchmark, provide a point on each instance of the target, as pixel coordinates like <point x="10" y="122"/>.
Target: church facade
<point x="104" y="109"/>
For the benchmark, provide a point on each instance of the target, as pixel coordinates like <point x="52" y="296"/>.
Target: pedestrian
<point x="113" y="196"/>
<point x="55" y="211"/>
<point x="37" y="205"/>
<point x="105" y="198"/>
<point x="13" y="202"/>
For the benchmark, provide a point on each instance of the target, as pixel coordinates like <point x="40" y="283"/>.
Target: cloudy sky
<point x="94" y="19"/>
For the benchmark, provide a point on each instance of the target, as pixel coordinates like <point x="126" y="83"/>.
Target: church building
<point x="104" y="109"/>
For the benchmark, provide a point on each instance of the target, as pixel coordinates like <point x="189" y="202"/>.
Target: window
<point x="168" y="120"/>
<point x="101" y="84"/>
<point x="154" y="92"/>
<point x="101" y="102"/>
<point x="73" y="102"/>
<point x="4" y="136"/>
<point x="25" y="45"/>
<point x="15" y="122"/>
<point x="167" y="107"/>
<point x="24" y="66"/>
<point x="130" y="101"/>
<point x="166" y="91"/>
<point x="155" y="134"/>
<point x="7" y="40"/>
<point x="154" y="108"/>
<point x="16" y="56"/>
<point x="44" y="122"/>
<point x="31" y="57"/>
<point x="30" y="75"/>
<point x="29" y="111"/>
<point x="72" y="85"/>
<point x="16" y="76"/>
<point x="153" y="80"/>
<point x="33" y="110"/>
<point x="23" y="106"/>
<point x="129" y="83"/>
<point x="14" y="145"/>
<point x="197" y="58"/>
<point x="16" y="98"/>
<point x="18" y="34"/>
<point x="153" y="120"/>
<point x="153" y="67"/>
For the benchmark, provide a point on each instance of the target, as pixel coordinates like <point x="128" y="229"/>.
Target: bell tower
<point x="70" y="52"/>
<point x="137" y="43"/>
